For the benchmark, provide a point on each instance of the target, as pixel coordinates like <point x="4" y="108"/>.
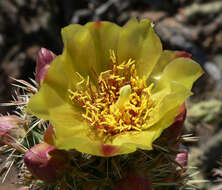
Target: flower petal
<point x="79" y="51"/>
<point x="40" y="104"/>
<point x="137" y="40"/>
<point x="71" y="131"/>
<point x="182" y="70"/>
<point x="87" y="47"/>
<point x="105" y="37"/>
<point x="165" y="58"/>
<point x="167" y="99"/>
<point x="172" y="85"/>
<point x="53" y="91"/>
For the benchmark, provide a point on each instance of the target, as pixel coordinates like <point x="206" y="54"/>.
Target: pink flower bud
<point x="44" y="59"/>
<point x="134" y="181"/>
<point x="182" y="158"/>
<point x="10" y="129"/>
<point x="45" y="162"/>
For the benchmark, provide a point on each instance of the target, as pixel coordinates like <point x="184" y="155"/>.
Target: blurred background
<point x="194" y="26"/>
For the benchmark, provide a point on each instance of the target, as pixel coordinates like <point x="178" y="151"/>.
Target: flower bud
<point x="10" y="129"/>
<point x="44" y="59"/>
<point x="45" y="162"/>
<point x="134" y="181"/>
<point x="182" y="158"/>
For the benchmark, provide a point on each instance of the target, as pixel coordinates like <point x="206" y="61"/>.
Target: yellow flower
<point x="113" y="89"/>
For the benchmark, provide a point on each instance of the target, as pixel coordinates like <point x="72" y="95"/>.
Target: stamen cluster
<point x="121" y="101"/>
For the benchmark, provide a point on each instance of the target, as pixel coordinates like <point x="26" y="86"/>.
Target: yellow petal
<point x="105" y="38"/>
<point x="79" y="51"/>
<point x="173" y="84"/>
<point x="182" y="70"/>
<point x="87" y="47"/>
<point x="130" y="141"/>
<point x="71" y="130"/>
<point x="165" y="58"/>
<point x="53" y="91"/>
<point x="166" y="100"/>
<point x="137" y="40"/>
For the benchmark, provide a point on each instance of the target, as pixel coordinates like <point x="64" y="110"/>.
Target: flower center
<point x="121" y="101"/>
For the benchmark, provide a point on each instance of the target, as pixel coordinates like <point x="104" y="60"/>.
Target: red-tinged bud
<point x="134" y="181"/>
<point x="182" y="158"/>
<point x="44" y="59"/>
<point x="46" y="163"/>
<point x="10" y="129"/>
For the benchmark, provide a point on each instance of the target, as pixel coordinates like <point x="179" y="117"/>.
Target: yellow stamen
<point x="112" y="56"/>
<point x="122" y="101"/>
